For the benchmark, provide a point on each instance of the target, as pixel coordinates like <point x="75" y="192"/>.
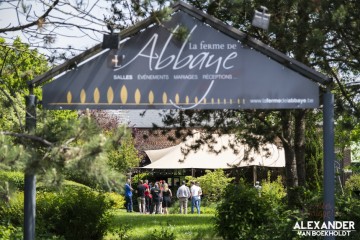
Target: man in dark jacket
<point x="156" y="194"/>
<point x="141" y="196"/>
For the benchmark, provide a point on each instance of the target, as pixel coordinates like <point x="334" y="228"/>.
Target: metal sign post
<point x="30" y="178"/>
<point x="329" y="159"/>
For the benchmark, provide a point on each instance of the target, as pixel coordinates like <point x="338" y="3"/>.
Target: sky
<point x="91" y="19"/>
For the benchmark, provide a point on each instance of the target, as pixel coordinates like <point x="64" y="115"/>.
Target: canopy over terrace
<point x="269" y="155"/>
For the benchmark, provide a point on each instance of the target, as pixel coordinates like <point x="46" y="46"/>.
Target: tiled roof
<point x="139" y="118"/>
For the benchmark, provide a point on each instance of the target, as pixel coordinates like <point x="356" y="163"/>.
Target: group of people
<point x="157" y="198"/>
<point x="151" y="198"/>
<point x="194" y="193"/>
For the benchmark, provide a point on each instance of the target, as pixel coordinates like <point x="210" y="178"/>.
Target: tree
<point x="123" y="156"/>
<point x="42" y="22"/>
<point x="61" y="139"/>
<point x="63" y="28"/>
<point x="19" y="64"/>
<point x="340" y="58"/>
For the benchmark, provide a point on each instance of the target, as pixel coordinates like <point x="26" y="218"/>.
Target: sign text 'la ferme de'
<point x="155" y="69"/>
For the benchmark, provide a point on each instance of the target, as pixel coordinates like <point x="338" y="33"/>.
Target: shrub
<point x="8" y="231"/>
<point x="273" y="191"/>
<point x="12" y="220"/>
<point x="353" y="183"/>
<point x="12" y="212"/>
<point x="212" y="183"/>
<point x="72" y="174"/>
<point x="348" y="205"/>
<point x="75" y="213"/>
<point x="116" y="200"/>
<point x="348" y="209"/>
<point x="141" y="176"/>
<point x="44" y="187"/>
<point x="15" y="179"/>
<point x="243" y="214"/>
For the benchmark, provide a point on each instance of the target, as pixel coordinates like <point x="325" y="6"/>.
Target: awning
<point x="269" y="155"/>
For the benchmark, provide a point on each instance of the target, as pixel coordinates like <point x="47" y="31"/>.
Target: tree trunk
<point x="291" y="172"/>
<point x="300" y="146"/>
<point x="300" y="53"/>
<point x="290" y="160"/>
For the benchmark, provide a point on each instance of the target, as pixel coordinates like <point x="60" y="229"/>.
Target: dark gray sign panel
<point x="156" y="70"/>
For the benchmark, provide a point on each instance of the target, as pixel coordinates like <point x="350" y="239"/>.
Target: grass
<point x="137" y="226"/>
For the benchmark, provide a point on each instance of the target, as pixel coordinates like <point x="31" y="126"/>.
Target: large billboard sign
<point x="203" y="69"/>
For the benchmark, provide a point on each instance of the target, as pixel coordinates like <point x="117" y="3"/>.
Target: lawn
<point x="141" y="227"/>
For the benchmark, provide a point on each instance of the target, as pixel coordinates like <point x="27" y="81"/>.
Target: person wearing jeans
<point x="195" y="197"/>
<point x="128" y="196"/>
<point x="195" y="202"/>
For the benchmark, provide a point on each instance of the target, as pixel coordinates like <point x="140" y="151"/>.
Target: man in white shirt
<point x="183" y="194"/>
<point x="195" y="196"/>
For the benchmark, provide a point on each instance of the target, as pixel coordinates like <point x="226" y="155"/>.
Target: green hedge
<point x="117" y="201"/>
<point x="244" y="214"/>
<point x="12" y="212"/>
<point x="353" y="184"/>
<point x="15" y="179"/>
<point x="8" y="231"/>
<point x="75" y="213"/>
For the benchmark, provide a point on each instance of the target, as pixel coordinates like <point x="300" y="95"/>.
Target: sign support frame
<point x="30" y="177"/>
<point x="329" y="159"/>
